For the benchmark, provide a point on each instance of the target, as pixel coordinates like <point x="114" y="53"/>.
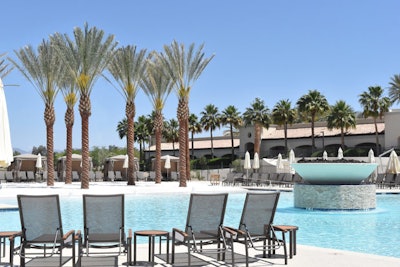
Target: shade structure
<point x="39" y="161"/>
<point x="256" y="161"/>
<point x="126" y="162"/>
<point x="325" y="155"/>
<point x="292" y="156"/>
<point x="393" y="164"/>
<point x="340" y="153"/>
<point x="6" y="152"/>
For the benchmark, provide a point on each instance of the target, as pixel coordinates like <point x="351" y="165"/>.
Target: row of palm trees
<point x="73" y="65"/>
<point x="311" y="107"/>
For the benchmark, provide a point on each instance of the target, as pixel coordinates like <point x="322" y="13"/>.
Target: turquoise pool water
<point x="374" y="232"/>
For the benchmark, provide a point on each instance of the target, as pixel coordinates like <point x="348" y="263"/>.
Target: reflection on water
<point x="361" y="231"/>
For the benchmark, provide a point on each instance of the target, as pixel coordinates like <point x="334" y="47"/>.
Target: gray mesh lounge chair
<point x="204" y="227"/>
<point x="104" y="226"/>
<point x="42" y="229"/>
<point x="256" y="224"/>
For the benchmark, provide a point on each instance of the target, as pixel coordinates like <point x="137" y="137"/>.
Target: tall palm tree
<point x="122" y="128"/>
<point x="194" y="127"/>
<point x="342" y="117"/>
<point x="127" y="67"/>
<point x="70" y="92"/>
<point x="171" y="132"/>
<point x="43" y="69"/>
<point x="284" y="114"/>
<point x="231" y="116"/>
<point x="86" y="56"/>
<point x="258" y="116"/>
<point x="374" y="105"/>
<point x="312" y="105"/>
<point x="157" y="84"/>
<point x="394" y="89"/>
<point x="210" y="120"/>
<point x="184" y="66"/>
<point x="5" y="68"/>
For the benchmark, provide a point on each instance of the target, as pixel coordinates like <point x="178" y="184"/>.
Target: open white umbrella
<point x="325" y="155"/>
<point x="6" y="152"/>
<point x="256" y="161"/>
<point x="340" y="153"/>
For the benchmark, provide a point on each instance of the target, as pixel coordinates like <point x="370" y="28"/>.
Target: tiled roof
<point x="202" y="144"/>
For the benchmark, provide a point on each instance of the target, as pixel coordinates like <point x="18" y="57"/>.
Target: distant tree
<point x="210" y="120"/>
<point x="284" y="114"/>
<point x="312" y="105"/>
<point x="43" y="69"/>
<point x="40" y="149"/>
<point x="231" y="116"/>
<point x="394" y="89"/>
<point x="194" y="127"/>
<point x="342" y="117"/>
<point x="258" y="116"/>
<point x="171" y="132"/>
<point x="122" y="128"/>
<point x="374" y="105"/>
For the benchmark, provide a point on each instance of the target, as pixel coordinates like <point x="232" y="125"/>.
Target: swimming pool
<point x="373" y="232"/>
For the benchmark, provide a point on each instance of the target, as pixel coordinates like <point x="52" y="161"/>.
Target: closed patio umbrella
<point x="167" y="164"/>
<point x="256" y="161"/>
<point x="340" y="153"/>
<point x="125" y="165"/>
<point x="325" y="155"/>
<point x="39" y="161"/>
<point x="371" y="156"/>
<point x="279" y="162"/>
<point x="393" y="166"/>
<point x="247" y="163"/>
<point x="292" y="157"/>
<point x="6" y="152"/>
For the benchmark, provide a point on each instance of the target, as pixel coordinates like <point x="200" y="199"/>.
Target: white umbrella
<point x="371" y="156"/>
<point x="247" y="163"/>
<point x="6" y="152"/>
<point x="325" y="155"/>
<point x="39" y="161"/>
<point x="125" y="165"/>
<point x="279" y="162"/>
<point x="393" y="164"/>
<point x="256" y="161"/>
<point x="292" y="157"/>
<point x="340" y="153"/>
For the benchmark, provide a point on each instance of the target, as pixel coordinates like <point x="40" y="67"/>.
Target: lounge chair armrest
<point x="12" y="237"/>
<point x="233" y="231"/>
<point x="129" y="233"/>
<point x="179" y="234"/>
<point x="69" y="234"/>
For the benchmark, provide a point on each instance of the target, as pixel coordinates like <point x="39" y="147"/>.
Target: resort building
<point x="298" y="138"/>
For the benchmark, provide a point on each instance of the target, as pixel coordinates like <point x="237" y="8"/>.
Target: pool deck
<point x="307" y="256"/>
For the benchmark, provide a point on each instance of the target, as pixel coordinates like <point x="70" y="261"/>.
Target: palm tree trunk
<point x="84" y="109"/>
<point x="49" y="117"/>
<point x="212" y="144"/>
<point x="188" y="176"/>
<point x="342" y="136"/>
<point x="192" y="136"/>
<point x="285" y="132"/>
<point x="257" y="138"/>
<point x="232" y="143"/>
<point x="377" y="137"/>
<point x="69" y="123"/>
<point x="312" y="131"/>
<point x="182" y="118"/>
<point x="130" y="115"/>
<point x="158" y="127"/>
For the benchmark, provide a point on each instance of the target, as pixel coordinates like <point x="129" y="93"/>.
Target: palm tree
<point x="184" y="66"/>
<point x="312" y="105"/>
<point x="122" y="128"/>
<point x="194" y="127"/>
<point x="374" y="105"/>
<point x="70" y="93"/>
<point x="284" y="114"/>
<point x="86" y="57"/>
<point x="258" y="116"/>
<point x="5" y="68"/>
<point x="127" y="67"/>
<point x="231" y="117"/>
<point x="171" y="132"/>
<point x="394" y="89"/>
<point x="43" y="69"/>
<point x="342" y="117"/>
<point x="157" y="85"/>
<point x="210" y="120"/>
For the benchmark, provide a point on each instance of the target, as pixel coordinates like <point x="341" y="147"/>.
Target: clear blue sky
<point x="269" y="49"/>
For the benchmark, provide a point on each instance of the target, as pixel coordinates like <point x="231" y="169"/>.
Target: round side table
<point x="151" y="234"/>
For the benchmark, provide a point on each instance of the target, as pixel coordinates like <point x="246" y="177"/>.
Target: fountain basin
<point x="334" y="173"/>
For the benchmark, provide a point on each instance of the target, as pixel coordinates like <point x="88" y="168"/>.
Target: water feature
<point x="334" y="186"/>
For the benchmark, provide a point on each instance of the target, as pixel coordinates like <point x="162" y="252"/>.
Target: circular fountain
<point x="334" y="186"/>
